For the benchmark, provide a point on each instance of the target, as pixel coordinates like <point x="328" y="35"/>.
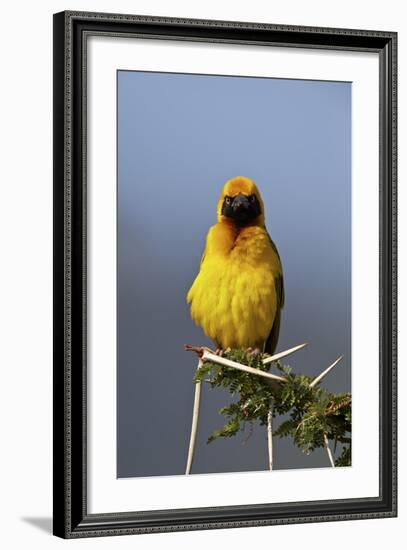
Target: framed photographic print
<point x="224" y="274"/>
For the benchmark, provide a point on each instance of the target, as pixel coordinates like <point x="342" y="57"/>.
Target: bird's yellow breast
<point x="234" y="298"/>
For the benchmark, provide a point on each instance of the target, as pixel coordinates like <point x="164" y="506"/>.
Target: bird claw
<point x="250" y="352"/>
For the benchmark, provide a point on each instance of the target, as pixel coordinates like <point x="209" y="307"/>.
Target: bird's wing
<point x="272" y="339"/>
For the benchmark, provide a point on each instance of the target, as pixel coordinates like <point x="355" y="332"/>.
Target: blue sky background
<point x="180" y="137"/>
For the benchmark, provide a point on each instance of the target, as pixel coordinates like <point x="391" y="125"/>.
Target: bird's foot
<point x="253" y="352"/>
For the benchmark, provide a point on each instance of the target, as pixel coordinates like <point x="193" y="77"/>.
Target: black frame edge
<point x="59" y="506"/>
<point x="388" y="269"/>
<point x="221" y="23"/>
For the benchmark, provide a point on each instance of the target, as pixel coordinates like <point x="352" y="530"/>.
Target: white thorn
<point x="329" y="452"/>
<point x="207" y="356"/>
<point x="194" y="427"/>
<point x="325" y="372"/>
<point x="270" y="436"/>
<point x="278" y="356"/>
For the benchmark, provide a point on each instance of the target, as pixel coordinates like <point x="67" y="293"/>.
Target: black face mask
<point x="241" y="209"/>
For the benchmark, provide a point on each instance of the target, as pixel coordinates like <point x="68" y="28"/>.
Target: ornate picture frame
<point x="72" y="515"/>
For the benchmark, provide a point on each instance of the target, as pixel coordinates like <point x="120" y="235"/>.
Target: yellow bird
<point x="238" y="293"/>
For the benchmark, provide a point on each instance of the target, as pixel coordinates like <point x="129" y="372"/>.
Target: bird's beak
<point x="240" y="202"/>
<point x="241" y="209"/>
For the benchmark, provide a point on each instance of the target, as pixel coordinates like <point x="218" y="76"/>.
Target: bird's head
<point x="240" y="203"/>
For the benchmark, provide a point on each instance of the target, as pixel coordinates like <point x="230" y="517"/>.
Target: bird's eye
<point x="227" y="200"/>
<point x="252" y="198"/>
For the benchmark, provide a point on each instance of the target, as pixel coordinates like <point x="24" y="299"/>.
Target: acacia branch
<point x="213" y="358"/>
<point x="207" y="354"/>
<point x="238" y="362"/>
